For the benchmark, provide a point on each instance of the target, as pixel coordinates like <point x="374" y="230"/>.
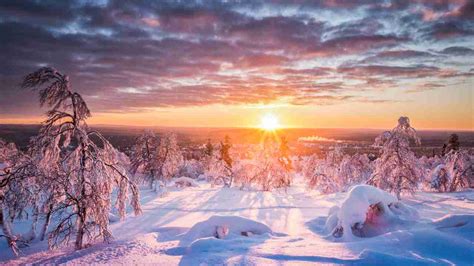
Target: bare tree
<point x="86" y="163"/>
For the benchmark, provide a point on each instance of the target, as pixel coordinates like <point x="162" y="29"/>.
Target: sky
<point x="312" y="64"/>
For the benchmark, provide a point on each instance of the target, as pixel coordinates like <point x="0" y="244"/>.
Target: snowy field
<point x="296" y="234"/>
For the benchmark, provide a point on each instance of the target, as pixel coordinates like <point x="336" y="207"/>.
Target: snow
<point x="237" y="226"/>
<point x="173" y="230"/>
<point x="185" y="181"/>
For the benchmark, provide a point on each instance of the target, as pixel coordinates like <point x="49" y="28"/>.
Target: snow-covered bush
<point x="338" y="171"/>
<point x="368" y="211"/>
<point x="439" y="178"/>
<point x="428" y="166"/>
<point x="192" y="168"/>
<point x="397" y="168"/>
<point x="270" y="168"/>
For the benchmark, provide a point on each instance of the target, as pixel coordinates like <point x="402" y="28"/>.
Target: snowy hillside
<point x="172" y="230"/>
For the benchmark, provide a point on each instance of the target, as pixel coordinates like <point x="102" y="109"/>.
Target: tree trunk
<point x="46" y="222"/>
<point x="81" y="223"/>
<point x="7" y="232"/>
<point x="32" y="234"/>
<point x="150" y="184"/>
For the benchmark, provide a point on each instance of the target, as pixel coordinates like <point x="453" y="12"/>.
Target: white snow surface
<point x="289" y="230"/>
<point x="236" y="225"/>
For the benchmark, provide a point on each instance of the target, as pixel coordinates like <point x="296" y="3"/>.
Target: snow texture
<point x="167" y="233"/>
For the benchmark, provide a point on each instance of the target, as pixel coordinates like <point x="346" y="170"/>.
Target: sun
<point x="269" y="122"/>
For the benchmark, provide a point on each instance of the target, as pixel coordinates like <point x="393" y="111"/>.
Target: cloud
<point x="123" y="56"/>
<point x="425" y="87"/>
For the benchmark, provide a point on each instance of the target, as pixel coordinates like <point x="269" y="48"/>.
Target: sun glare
<point x="269" y="122"/>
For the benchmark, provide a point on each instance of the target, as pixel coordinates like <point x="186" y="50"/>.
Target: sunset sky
<point x="211" y="64"/>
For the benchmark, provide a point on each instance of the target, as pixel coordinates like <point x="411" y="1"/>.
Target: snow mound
<point x="185" y="181"/>
<point x="368" y="211"/>
<point x="461" y="225"/>
<point x="113" y="218"/>
<point x="224" y="227"/>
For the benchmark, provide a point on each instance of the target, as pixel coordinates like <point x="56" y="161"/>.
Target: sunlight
<point x="269" y="122"/>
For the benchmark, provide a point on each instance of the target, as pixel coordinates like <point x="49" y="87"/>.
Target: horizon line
<point x="242" y="127"/>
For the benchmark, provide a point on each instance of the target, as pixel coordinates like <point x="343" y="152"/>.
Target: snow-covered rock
<point x="368" y="211"/>
<point x="202" y="177"/>
<point x="185" y="181"/>
<point x="113" y="218"/>
<point x="224" y="227"/>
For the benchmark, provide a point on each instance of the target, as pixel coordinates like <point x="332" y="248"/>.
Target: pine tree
<point x="452" y="144"/>
<point x="209" y="149"/>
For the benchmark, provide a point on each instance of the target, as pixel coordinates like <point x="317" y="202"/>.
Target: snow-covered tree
<point x="323" y="174"/>
<point x="440" y="178"/>
<point x="208" y="157"/>
<point x="354" y="170"/>
<point x="144" y="158"/>
<point x="270" y="168"/>
<point x="273" y="168"/>
<point x="284" y="154"/>
<point x="452" y="144"/>
<point x="191" y="168"/>
<point x="156" y="159"/>
<point x="220" y="167"/>
<point x="169" y="156"/>
<point x="428" y="166"/>
<point x="397" y="168"/>
<point x="86" y="163"/>
<point x="18" y="191"/>
<point x="208" y="148"/>
<point x="456" y="174"/>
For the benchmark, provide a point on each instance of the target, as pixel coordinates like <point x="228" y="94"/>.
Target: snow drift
<point x="368" y="211"/>
<point x="224" y="227"/>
